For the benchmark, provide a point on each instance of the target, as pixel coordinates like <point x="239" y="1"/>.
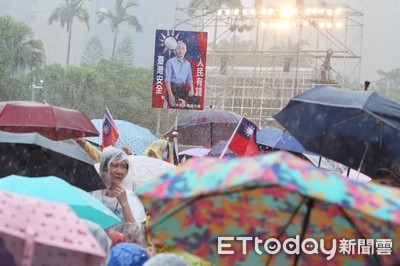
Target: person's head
<point x="166" y="259"/>
<point x="101" y="237"/>
<point x="389" y="177"/>
<point x="180" y="49"/>
<point x="156" y="149"/>
<point x="127" y="254"/>
<point x="114" y="166"/>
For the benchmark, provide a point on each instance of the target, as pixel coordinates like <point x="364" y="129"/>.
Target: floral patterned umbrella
<point x="205" y="128"/>
<point x="278" y="198"/>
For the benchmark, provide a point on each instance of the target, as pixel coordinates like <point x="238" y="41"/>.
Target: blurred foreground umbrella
<point x="354" y="128"/>
<point x="53" y="122"/>
<point x="275" y="196"/>
<point x="135" y="137"/>
<point x="37" y="232"/>
<point x="30" y="154"/>
<point x="205" y="128"/>
<point x="54" y="189"/>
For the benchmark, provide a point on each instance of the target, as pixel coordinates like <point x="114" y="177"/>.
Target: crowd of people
<point x="130" y="243"/>
<point x="130" y="236"/>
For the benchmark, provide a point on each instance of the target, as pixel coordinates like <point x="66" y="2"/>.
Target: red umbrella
<point x="53" y="122"/>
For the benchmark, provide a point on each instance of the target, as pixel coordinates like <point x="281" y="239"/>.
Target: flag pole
<point x="175" y="135"/>
<point x="230" y="139"/>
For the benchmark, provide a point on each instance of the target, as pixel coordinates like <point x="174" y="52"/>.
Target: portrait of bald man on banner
<point x="179" y="70"/>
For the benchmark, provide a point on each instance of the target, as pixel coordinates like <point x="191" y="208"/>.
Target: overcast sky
<point x="377" y="41"/>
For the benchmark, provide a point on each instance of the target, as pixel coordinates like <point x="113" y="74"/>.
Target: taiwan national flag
<point x="110" y="132"/>
<point x="243" y="140"/>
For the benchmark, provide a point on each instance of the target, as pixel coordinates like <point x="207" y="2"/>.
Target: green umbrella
<point x="55" y="189"/>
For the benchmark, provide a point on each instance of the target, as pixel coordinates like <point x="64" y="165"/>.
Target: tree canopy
<point x="65" y="15"/>
<point x="118" y="17"/>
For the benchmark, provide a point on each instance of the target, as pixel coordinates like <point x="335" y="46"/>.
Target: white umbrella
<point x="142" y="170"/>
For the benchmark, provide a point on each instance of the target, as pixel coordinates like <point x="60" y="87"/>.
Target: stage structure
<point x="258" y="58"/>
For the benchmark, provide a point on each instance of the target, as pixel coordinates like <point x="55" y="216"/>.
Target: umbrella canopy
<point x="195" y="152"/>
<point x="217" y="149"/>
<point x="53" y="122"/>
<point x="144" y="170"/>
<point x="354" y="175"/>
<point x="54" y="189"/>
<point x="135" y="137"/>
<point x="322" y="162"/>
<point x="37" y="232"/>
<point x="205" y="128"/>
<point x="351" y="127"/>
<point x="31" y="154"/>
<point x="276" y="138"/>
<point x="274" y="197"/>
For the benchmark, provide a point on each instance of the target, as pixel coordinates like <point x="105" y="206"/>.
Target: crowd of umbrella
<point x="311" y="183"/>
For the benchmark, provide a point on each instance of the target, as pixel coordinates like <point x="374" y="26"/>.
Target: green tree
<point x="389" y="83"/>
<point x="19" y="51"/>
<point x="125" y="52"/>
<point x="65" y="14"/>
<point x="93" y="53"/>
<point x="126" y="91"/>
<point x="116" y="19"/>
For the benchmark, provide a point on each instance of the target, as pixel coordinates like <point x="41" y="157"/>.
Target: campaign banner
<point x="179" y="69"/>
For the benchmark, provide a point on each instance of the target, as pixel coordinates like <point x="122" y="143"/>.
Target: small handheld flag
<point x="243" y="139"/>
<point x="110" y="132"/>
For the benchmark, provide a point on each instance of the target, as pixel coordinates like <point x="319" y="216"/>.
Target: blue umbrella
<point x="278" y="139"/>
<point x="55" y="189"/>
<point x="359" y="129"/>
<point x="135" y="137"/>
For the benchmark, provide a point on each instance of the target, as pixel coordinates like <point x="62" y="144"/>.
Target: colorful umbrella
<point x="53" y="122"/>
<point x="37" y="232"/>
<point x="205" y="128"/>
<point x="54" y="189"/>
<point x="354" y="128"/>
<point x="30" y="154"/>
<point x="135" y="137"/>
<point x="204" y="205"/>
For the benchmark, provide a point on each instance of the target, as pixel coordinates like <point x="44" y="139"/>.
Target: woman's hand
<point x="120" y="194"/>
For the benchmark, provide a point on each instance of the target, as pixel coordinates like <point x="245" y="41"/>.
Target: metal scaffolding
<point x="260" y="81"/>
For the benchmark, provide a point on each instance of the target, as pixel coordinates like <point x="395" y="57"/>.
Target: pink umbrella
<point x="354" y="175"/>
<point x="37" y="232"/>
